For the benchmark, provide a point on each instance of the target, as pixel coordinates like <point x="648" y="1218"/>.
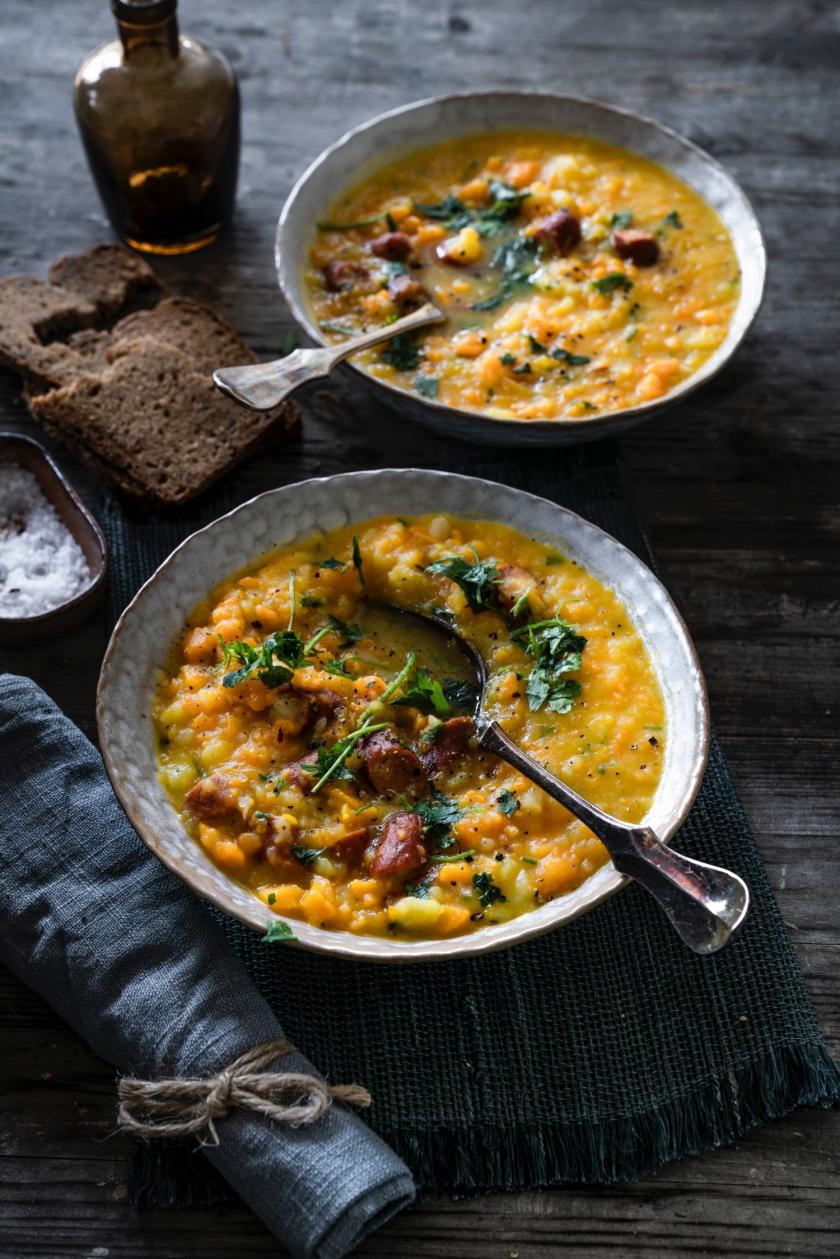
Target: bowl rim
<point x="288" y="270"/>
<point x="526" y="926"/>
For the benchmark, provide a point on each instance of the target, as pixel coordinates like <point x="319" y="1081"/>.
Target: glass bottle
<point x="159" y="117"/>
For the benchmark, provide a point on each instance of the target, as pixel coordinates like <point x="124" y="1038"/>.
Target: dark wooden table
<point x="738" y="488"/>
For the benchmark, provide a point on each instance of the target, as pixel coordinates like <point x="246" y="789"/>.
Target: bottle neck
<point x="137" y="35"/>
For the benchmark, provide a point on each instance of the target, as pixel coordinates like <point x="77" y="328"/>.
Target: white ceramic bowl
<point x="151" y="623"/>
<point x="389" y="136"/>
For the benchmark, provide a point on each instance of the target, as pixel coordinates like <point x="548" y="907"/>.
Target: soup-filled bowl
<point x="557" y="323"/>
<point x="205" y="572"/>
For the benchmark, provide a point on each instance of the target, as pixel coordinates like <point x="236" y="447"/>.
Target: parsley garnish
<point x="288" y="342"/>
<point x="554" y="558"/>
<point x="426" y="694"/>
<point x="556" y="647"/>
<point x="507" y="359"/>
<point x="609" y="283"/>
<point x="337" y="667"/>
<point x="418" y="890"/>
<point x="517" y="261"/>
<point x="357" y="558"/>
<point x="350" y="633"/>
<point x="451" y="211"/>
<point x="329" y="762"/>
<point x="623" y="219"/>
<point x="305" y="855"/>
<point x="486" y="890"/>
<point x="310" y="601"/>
<point x="332" y="562"/>
<point x="439" y="814"/>
<point x="505" y="205"/>
<point x="348" y="227"/>
<point x="507" y="803"/>
<point x="564" y="356"/>
<point x="272" y="664"/>
<point x="427" y="385"/>
<point x="276" y="931"/>
<point x="401" y="353"/>
<point x="460" y="694"/>
<point x="673" y="219"/>
<point x="478" y="580"/>
<point x="443" y="859"/>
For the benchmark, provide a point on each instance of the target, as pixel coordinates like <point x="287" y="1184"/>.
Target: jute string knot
<point x="184" y="1107"/>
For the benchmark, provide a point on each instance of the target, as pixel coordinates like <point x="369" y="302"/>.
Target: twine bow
<point x="182" y="1107"/>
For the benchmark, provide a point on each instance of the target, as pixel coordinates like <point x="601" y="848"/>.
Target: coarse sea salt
<point x="41" y="563"/>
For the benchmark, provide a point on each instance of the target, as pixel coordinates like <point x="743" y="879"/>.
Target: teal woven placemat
<point x="590" y="1055"/>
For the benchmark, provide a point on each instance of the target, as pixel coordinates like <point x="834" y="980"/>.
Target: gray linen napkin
<point x="125" y="953"/>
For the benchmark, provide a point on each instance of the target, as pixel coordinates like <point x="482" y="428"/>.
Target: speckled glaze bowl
<point x="141" y="641"/>
<point x="367" y="148"/>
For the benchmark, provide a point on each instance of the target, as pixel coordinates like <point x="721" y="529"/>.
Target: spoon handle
<point x="706" y="904"/>
<point x="262" y="386"/>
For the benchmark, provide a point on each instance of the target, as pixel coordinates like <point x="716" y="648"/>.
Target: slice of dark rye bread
<point x="155" y="423"/>
<point x="109" y="276"/>
<point x="38" y="319"/>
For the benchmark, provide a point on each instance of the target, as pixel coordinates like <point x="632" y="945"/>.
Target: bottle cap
<point x="143" y="12"/>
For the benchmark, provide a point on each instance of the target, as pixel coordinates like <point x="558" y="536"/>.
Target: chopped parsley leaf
<point x="507" y="359"/>
<point x="609" y="283"/>
<point x="439" y="814"/>
<point x="478" y="581"/>
<point x="401" y="353"/>
<point x="486" y="890"/>
<point x="623" y="219"/>
<point x="556" y="646"/>
<point x="332" y="562"/>
<point x="357" y="558"/>
<point x="507" y="803"/>
<point x="277" y="931"/>
<point x="672" y="219"/>
<point x="427" y="385"/>
<point x="350" y="633"/>
<point x="460" y="694"/>
<point x="425" y="693"/>
<point x="305" y="855"/>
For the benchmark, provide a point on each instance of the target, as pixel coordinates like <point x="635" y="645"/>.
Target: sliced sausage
<point x="400" y="846"/>
<point x="339" y="276"/>
<point x="296" y="776"/>
<point x="515" y="582"/>
<point x="211" y="797"/>
<point x="560" y="231"/>
<point x="279" y="836"/>
<point x="395" y="246"/>
<point x="450" y="742"/>
<point x="353" y="844"/>
<point x="391" y="766"/>
<point x="639" y="247"/>
<point x="403" y="290"/>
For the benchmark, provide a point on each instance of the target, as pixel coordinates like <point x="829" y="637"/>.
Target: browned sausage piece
<point x="400" y="846"/>
<point x="403" y="290"/>
<point x="450" y="741"/>
<point x="339" y="276"/>
<point x="516" y="582"/>
<point x="560" y="231"/>
<point x="211" y="797"/>
<point x="395" y="246"/>
<point x="296" y="776"/>
<point x="351" y="847"/>
<point x="391" y="766"/>
<point x="639" y="247"/>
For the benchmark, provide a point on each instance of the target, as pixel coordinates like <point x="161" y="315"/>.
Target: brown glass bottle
<point x="159" y="117"/>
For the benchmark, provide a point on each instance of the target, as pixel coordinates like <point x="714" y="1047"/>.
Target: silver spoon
<point x="706" y="904"/>
<point x="262" y="386"/>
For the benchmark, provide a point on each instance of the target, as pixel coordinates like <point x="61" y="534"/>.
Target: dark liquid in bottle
<point x="180" y="203"/>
